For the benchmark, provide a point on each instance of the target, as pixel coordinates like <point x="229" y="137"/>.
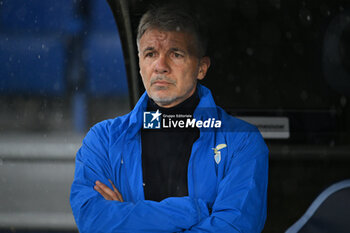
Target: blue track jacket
<point x="227" y="195"/>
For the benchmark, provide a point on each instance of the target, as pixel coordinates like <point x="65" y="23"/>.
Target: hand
<point x="107" y="193"/>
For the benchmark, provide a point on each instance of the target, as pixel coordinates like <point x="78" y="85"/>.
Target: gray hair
<point x="173" y="18"/>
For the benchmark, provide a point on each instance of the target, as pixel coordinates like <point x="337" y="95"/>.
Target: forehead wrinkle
<point x="159" y="37"/>
<point x="169" y="40"/>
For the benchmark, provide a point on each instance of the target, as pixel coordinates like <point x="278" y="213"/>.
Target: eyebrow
<point x="177" y="50"/>
<point x="148" y="49"/>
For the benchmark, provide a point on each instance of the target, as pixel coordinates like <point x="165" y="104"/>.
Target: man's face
<point x="169" y="66"/>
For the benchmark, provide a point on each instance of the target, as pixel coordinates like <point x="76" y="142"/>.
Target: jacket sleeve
<point x="93" y="213"/>
<point x="240" y="205"/>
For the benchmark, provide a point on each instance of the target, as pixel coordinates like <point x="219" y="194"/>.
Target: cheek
<point x="145" y="77"/>
<point x="144" y="70"/>
<point x="190" y="74"/>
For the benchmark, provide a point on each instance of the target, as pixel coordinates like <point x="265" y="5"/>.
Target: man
<point x="120" y="182"/>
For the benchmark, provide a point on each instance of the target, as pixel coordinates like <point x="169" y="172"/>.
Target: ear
<point x="138" y="54"/>
<point x="204" y="64"/>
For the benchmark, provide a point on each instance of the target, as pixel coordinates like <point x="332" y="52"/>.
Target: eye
<point x="178" y="55"/>
<point x="150" y="54"/>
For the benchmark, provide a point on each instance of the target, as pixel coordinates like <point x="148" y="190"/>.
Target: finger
<point x="107" y="190"/>
<point x="116" y="192"/>
<point x="105" y="196"/>
<point x="120" y="197"/>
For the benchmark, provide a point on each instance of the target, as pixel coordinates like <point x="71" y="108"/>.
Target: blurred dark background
<point x="62" y="69"/>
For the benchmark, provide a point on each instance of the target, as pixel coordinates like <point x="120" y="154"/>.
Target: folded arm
<point x="95" y="214"/>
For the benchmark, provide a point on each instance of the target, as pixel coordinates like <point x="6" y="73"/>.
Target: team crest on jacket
<point x="217" y="153"/>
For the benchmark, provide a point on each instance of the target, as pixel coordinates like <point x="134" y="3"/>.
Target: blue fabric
<point x="225" y="197"/>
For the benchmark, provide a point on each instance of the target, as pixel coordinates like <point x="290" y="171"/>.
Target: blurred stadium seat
<point x="67" y="49"/>
<point x="101" y="17"/>
<point x="36" y="16"/>
<point x="33" y="43"/>
<point x="103" y="55"/>
<point x="31" y="65"/>
<point x="105" y="65"/>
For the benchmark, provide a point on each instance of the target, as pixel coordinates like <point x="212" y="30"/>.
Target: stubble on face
<point x="169" y="88"/>
<point x="167" y="100"/>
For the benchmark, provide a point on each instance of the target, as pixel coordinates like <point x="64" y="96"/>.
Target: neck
<point x="186" y="106"/>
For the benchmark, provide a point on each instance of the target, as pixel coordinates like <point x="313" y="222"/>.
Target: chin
<point x="163" y="99"/>
<point x="161" y="94"/>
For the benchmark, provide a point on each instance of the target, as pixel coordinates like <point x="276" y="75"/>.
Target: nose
<point x="161" y="66"/>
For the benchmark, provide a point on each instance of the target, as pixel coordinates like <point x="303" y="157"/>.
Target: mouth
<point x="161" y="83"/>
